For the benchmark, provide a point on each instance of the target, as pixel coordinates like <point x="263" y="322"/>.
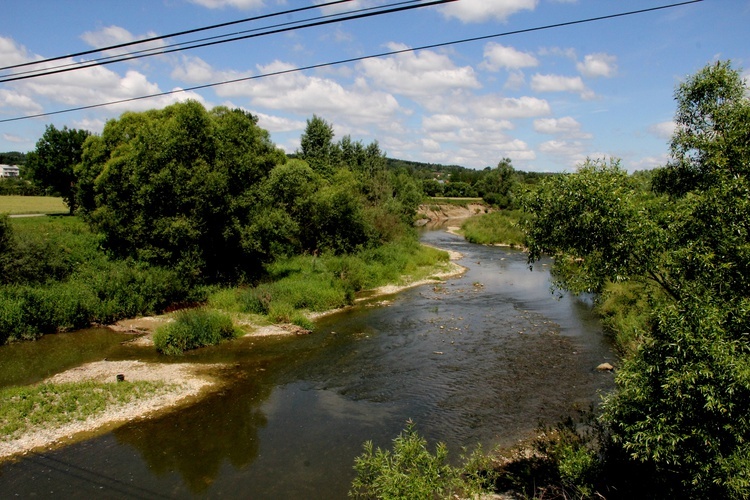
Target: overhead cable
<point x="179" y="33"/>
<point x="163" y="49"/>
<point x="357" y="59"/>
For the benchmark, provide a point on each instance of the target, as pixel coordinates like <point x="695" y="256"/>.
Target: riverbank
<point x="180" y="383"/>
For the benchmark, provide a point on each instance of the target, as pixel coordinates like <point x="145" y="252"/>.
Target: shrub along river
<point x="483" y="358"/>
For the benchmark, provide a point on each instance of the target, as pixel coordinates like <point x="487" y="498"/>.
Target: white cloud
<point x="571" y="149"/>
<point x="493" y="106"/>
<point x="12" y="53"/>
<point x="14" y="138"/>
<point x="663" y="130"/>
<point x="17" y="101"/>
<point x="598" y="65"/>
<point x="473" y="11"/>
<point x="195" y="70"/>
<point x="95" y="125"/>
<point x="566" y="127"/>
<point x="279" y="124"/>
<point x="558" y="83"/>
<point x="430" y="145"/>
<point x="420" y="74"/>
<point x="498" y="56"/>
<point x="306" y="95"/>
<point x="515" y="81"/>
<point x="443" y="123"/>
<point x="116" y="35"/>
<point x="648" y="163"/>
<point x="236" y="4"/>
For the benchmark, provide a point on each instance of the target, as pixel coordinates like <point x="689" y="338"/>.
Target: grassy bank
<point x="55" y="277"/>
<point x="11" y="204"/>
<point x="495" y="228"/>
<point x="299" y="285"/>
<point x="26" y="409"/>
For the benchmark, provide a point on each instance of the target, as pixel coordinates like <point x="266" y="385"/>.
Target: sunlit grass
<point x="321" y="283"/>
<point x="24" y="409"/>
<point x="11" y="204"/>
<point x="495" y="228"/>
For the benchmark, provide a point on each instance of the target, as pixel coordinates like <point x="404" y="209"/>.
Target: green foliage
<point x="459" y="189"/>
<point x="498" y="187"/>
<point x="713" y="125"/>
<point x="56" y="279"/>
<point x="18" y="187"/>
<point x="30" y="408"/>
<point x="683" y="396"/>
<point x="495" y="228"/>
<point x="194" y="328"/>
<point x="625" y="311"/>
<point x="316" y="146"/>
<point x="173" y="187"/>
<point x="51" y="164"/>
<point x="329" y="281"/>
<point x="596" y="225"/>
<point x="411" y="471"/>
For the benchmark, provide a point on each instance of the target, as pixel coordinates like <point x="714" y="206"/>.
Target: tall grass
<point x="194" y="328"/>
<point x="495" y="228"/>
<point x="321" y="283"/>
<point x="625" y="310"/>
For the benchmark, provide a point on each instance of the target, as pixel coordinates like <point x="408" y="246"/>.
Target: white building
<point x="9" y="171"/>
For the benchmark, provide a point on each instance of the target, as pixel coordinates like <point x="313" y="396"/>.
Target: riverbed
<point x="483" y="358"/>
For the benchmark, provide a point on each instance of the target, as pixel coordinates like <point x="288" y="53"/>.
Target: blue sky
<point x="546" y="99"/>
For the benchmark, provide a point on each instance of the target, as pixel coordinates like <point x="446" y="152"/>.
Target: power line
<point x="357" y="59"/>
<point x="179" y="33"/>
<point x="283" y="27"/>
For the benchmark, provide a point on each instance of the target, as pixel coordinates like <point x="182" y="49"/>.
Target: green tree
<point x="177" y="186"/>
<point x="498" y="186"/>
<point x="712" y="138"/>
<point x="597" y="226"/>
<point x="51" y="165"/>
<point x="683" y="397"/>
<point x="316" y="146"/>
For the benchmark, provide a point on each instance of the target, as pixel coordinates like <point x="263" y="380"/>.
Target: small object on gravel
<point x="605" y="367"/>
<point x="120" y="377"/>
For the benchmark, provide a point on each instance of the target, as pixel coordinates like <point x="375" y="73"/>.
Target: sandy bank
<point x="187" y="381"/>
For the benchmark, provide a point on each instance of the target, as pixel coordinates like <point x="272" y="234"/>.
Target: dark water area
<point x="483" y="358"/>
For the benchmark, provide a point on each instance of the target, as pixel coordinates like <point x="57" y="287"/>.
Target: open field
<point x="15" y="205"/>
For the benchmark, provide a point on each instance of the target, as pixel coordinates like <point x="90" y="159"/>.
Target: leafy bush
<point x="194" y="328"/>
<point x="411" y="471"/>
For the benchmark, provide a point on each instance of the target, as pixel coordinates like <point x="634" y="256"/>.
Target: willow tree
<point x="176" y="187"/>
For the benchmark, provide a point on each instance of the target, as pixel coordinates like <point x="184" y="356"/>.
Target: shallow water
<point x="479" y="359"/>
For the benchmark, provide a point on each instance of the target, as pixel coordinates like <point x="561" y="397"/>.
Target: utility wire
<point x="162" y="49"/>
<point x="244" y="37"/>
<point x="356" y="59"/>
<point x="179" y="33"/>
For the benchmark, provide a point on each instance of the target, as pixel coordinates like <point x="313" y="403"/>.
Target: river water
<point x="484" y="358"/>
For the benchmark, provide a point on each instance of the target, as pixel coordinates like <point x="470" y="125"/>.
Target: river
<point x="484" y="358"/>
